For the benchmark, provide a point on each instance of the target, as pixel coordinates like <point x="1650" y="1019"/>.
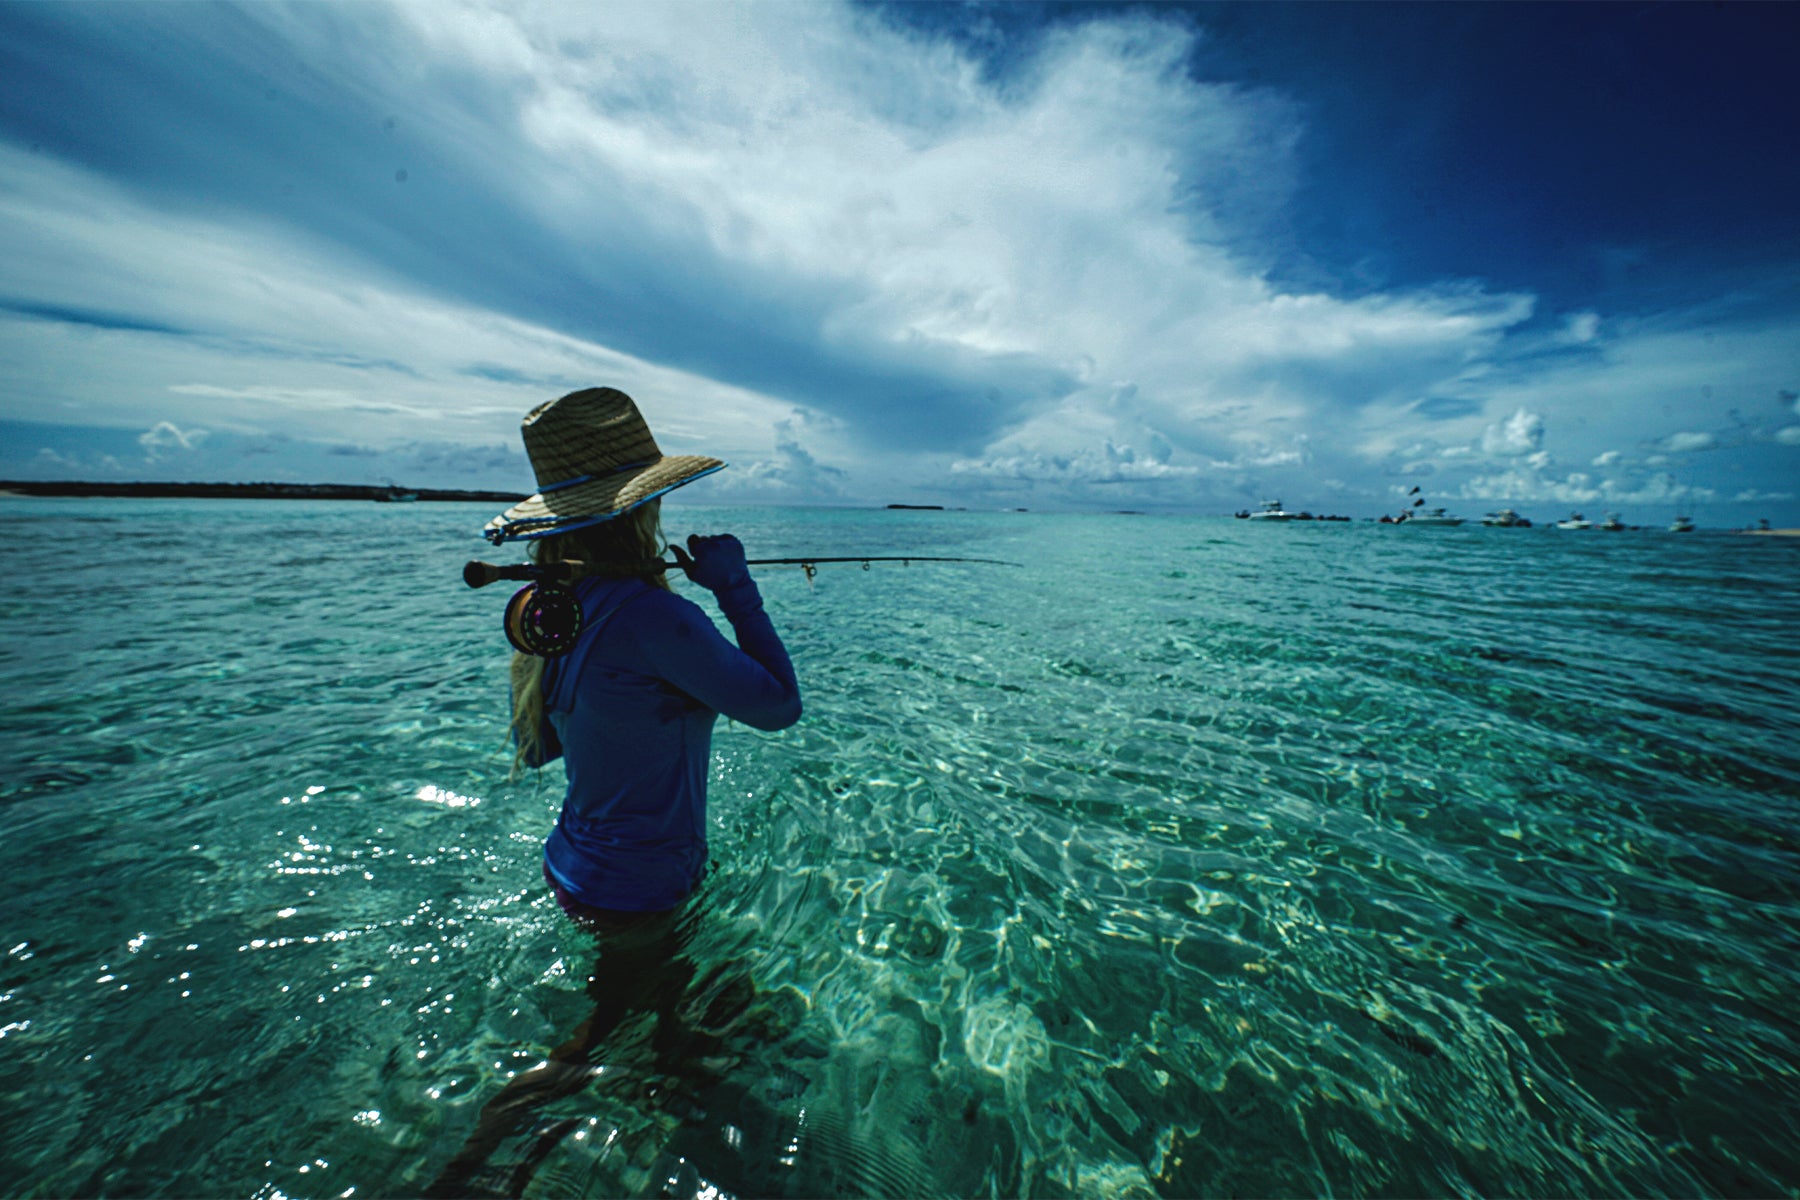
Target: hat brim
<point x="597" y="499"/>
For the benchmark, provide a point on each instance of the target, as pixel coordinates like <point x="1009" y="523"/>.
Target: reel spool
<point x="543" y="619"/>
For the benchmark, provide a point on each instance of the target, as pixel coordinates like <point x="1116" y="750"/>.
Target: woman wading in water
<point x="629" y="710"/>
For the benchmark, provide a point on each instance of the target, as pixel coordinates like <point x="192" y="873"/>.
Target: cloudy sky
<point x="1055" y="256"/>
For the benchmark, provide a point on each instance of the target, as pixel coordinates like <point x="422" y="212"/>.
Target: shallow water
<point x="1191" y="857"/>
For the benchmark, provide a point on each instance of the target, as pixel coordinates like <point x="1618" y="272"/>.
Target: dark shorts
<point x="601" y="920"/>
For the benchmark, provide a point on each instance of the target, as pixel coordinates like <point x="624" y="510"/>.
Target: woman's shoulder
<point x="600" y="593"/>
<point x="659" y="622"/>
<point x="649" y="604"/>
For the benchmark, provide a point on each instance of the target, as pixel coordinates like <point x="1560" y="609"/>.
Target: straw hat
<point x="594" y="459"/>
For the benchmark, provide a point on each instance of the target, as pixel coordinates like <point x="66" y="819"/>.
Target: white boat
<point x="1612" y="524"/>
<point x="1575" y="521"/>
<point x="1682" y="525"/>
<point x="1431" y="516"/>
<point x="1272" y="511"/>
<point x="1508" y="519"/>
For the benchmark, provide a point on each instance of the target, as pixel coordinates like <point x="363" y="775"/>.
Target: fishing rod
<point x="544" y="618"/>
<point x="479" y="574"/>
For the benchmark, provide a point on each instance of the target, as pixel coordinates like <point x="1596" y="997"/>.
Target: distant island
<point x="920" y="507"/>
<point x="249" y="491"/>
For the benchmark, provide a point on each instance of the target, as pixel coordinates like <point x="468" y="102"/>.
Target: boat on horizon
<point x="1612" y="524"/>
<point x="1575" y="521"/>
<point x="1430" y="516"/>
<point x="1272" y="511"/>
<point x="1682" y="525"/>
<point x="1506" y="518"/>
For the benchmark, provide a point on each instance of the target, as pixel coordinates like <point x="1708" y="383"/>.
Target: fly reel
<point x="543" y="619"/>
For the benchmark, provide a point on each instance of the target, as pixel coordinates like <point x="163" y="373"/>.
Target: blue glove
<point x="717" y="563"/>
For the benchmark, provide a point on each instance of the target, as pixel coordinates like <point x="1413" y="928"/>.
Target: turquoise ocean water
<point x="1193" y="857"/>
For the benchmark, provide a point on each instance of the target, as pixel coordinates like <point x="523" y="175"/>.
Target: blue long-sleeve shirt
<point x="631" y="711"/>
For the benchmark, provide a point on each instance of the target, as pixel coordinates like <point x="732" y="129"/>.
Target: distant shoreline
<point x="25" y="488"/>
<point x="249" y="491"/>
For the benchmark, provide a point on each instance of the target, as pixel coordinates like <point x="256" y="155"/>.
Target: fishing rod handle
<point x="479" y="574"/>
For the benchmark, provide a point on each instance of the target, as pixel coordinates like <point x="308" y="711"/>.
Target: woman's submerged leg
<point x="640" y="969"/>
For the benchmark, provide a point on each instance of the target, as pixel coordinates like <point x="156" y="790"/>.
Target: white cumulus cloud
<point x="1687" y="443"/>
<point x="1581" y="328"/>
<point x="164" y="435"/>
<point x="793" y="470"/>
<point x="1520" y="434"/>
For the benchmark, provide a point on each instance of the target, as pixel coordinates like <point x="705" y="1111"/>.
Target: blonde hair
<point x="634" y="535"/>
